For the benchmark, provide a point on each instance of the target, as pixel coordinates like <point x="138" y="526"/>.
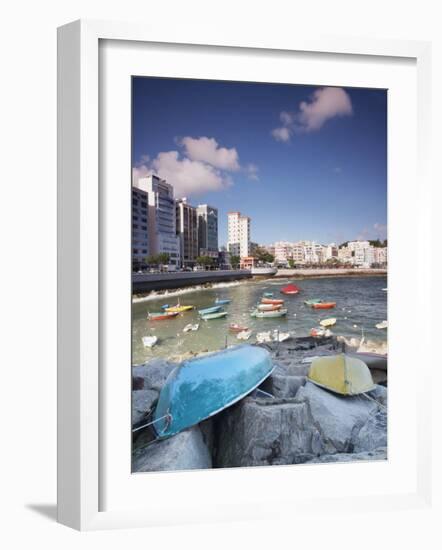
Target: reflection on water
<point x="361" y="303"/>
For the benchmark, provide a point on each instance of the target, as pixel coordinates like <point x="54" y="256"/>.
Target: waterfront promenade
<point x="324" y="272"/>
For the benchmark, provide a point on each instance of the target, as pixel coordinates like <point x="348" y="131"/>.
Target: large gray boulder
<point x="183" y="451"/>
<point x="376" y="454"/>
<point x="283" y="385"/>
<point x="142" y="401"/>
<point x="338" y="418"/>
<point x="260" y="432"/>
<point x="373" y="433"/>
<point x="153" y="373"/>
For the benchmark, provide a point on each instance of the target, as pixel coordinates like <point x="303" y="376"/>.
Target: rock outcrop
<point x="259" y="432"/>
<point x="184" y="451"/>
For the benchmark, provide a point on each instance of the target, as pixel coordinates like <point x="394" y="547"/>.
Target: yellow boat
<point x="178" y="309"/>
<point x="328" y="322"/>
<point x="341" y="374"/>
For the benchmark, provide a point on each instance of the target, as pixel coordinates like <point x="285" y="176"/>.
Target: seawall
<point x="145" y="282"/>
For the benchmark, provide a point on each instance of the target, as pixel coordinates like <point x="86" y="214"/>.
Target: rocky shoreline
<point x="302" y="423"/>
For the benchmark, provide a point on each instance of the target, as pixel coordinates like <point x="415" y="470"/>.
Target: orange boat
<point x="324" y="305"/>
<point x="234" y="327"/>
<point x="271" y="301"/>
<point x="290" y="290"/>
<point x="161" y="316"/>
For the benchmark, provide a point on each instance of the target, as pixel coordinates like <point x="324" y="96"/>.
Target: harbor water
<point x="361" y="303"/>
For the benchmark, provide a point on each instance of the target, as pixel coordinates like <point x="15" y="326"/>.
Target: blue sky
<point x="304" y="162"/>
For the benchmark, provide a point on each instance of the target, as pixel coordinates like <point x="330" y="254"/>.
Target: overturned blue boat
<point x="202" y="387"/>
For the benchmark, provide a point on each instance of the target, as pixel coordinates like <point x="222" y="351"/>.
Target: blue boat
<point x="222" y="302"/>
<point x="165" y="306"/>
<point x="208" y="310"/>
<point x="268" y="294"/>
<point x="202" y="387"/>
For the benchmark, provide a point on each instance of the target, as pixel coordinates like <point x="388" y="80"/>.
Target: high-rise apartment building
<point x="207" y="230"/>
<point x="238" y="234"/>
<point x="162" y="217"/>
<point x="187" y="232"/>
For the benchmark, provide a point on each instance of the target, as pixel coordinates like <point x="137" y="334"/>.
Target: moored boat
<point x="234" y="327"/>
<point x="324" y="305"/>
<point x="290" y="290"/>
<point x="190" y="327"/>
<point x="274" y="301"/>
<point x="162" y="315"/>
<point x="268" y="307"/>
<point x="208" y="310"/>
<point x="328" y="322"/>
<point x="269" y="314"/>
<point x="149" y="341"/>
<point x="382" y="325"/>
<point x="268" y="294"/>
<point x="319" y="332"/>
<point x="199" y="388"/>
<point x="312" y="301"/>
<point x="216" y="315"/>
<point x="178" y="308"/>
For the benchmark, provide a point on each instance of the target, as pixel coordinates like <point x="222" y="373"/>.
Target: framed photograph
<point x="229" y="216"/>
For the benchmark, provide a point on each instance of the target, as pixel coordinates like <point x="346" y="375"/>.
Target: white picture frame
<point x="81" y="293"/>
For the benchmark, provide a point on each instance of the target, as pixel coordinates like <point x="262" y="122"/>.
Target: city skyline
<point x="311" y="159"/>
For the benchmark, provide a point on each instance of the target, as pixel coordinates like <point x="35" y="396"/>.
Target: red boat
<point x="234" y="327"/>
<point x="290" y="289"/>
<point x="324" y="305"/>
<point x="162" y="315"/>
<point x="271" y="301"/>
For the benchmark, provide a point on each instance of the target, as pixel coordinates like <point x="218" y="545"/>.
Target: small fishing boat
<point x="190" y="327"/>
<point x="290" y="290"/>
<point x="244" y="335"/>
<point x="216" y="315"/>
<point x="312" y="301"/>
<point x="341" y="374"/>
<point x="328" y="322"/>
<point x="149" y="341"/>
<point x="269" y="314"/>
<point x="165" y="306"/>
<point x="324" y="305"/>
<point x="178" y="308"/>
<point x="222" y="302"/>
<point x="234" y="327"/>
<point x="268" y="294"/>
<point x="162" y="315"/>
<point x="264" y="337"/>
<point x="268" y="307"/>
<point x="382" y="325"/>
<point x="208" y="310"/>
<point x="202" y="387"/>
<point x="271" y="301"/>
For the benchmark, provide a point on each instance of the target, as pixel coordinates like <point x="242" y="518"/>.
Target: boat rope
<point x="169" y="416"/>
<point x="380" y="405"/>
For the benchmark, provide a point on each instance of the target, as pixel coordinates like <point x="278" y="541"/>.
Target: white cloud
<point x="323" y="105"/>
<point x="207" y="150"/>
<point x="281" y="134"/>
<point x="188" y="177"/>
<point x="201" y="166"/>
